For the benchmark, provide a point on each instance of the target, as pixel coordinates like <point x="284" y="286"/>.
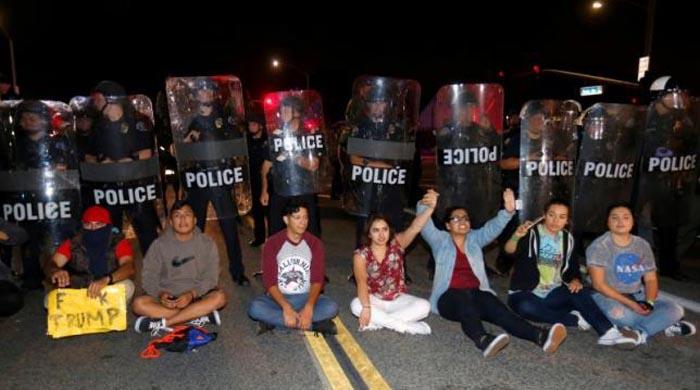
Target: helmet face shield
<point x="675" y="99"/>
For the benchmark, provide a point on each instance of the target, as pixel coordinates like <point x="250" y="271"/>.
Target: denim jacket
<point x="445" y="253"/>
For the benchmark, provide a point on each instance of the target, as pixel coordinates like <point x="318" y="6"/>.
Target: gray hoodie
<point x="175" y="266"/>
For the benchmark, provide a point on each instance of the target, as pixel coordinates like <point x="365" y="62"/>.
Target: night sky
<point x="63" y="50"/>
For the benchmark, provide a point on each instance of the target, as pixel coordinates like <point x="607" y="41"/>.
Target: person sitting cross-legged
<point x="381" y="300"/>
<point x="293" y="267"/>
<point x="180" y="276"/>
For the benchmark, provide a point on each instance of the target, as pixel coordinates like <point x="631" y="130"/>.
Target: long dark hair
<point x="365" y="241"/>
<point x="558" y="202"/>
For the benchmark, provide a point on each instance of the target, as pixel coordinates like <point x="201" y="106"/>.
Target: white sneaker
<point x="642" y="337"/>
<point x="582" y="323"/>
<point x="614" y="337"/>
<point x="555" y="336"/>
<point x="496" y="345"/>
<point x="418" y="327"/>
<point x="680" y="328"/>
<point x="211" y="318"/>
<point x="155" y="326"/>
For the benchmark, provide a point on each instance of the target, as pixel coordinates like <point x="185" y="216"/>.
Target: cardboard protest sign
<point x="71" y="312"/>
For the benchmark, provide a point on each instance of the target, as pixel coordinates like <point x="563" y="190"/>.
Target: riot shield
<point x="208" y="123"/>
<point x="468" y="119"/>
<point x="296" y="141"/>
<point x="383" y="114"/>
<point x="548" y="145"/>
<point x="39" y="180"/>
<point x="669" y="165"/>
<point x="119" y="167"/>
<point x="610" y="145"/>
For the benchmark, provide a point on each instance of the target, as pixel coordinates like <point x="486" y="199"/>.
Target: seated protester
<point x="97" y="256"/>
<point x="546" y="282"/>
<point x="461" y="290"/>
<point x="180" y="277"/>
<point x="617" y="262"/>
<point x="11" y="299"/>
<point x="381" y="300"/>
<point x="293" y="266"/>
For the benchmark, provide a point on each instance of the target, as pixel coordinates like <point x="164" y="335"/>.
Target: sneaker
<point x="145" y="324"/>
<point x="241" y="280"/>
<point x="324" y="327"/>
<point x="417" y="327"/>
<point x="641" y="336"/>
<point x="264" y="327"/>
<point x="255" y="243"/>
<point x="555" y="336"/>
<point x="211" y="318"/>
<point x="623" y="340"/>
<point x="680" y="328"/>
<point x="494" y="345"/>
<point x="582" y="323"/>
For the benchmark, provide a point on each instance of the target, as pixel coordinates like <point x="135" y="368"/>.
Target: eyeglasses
<point x="459" y="218"/>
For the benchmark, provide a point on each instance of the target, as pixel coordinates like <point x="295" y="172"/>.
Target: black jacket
<point x="526" y="276"/>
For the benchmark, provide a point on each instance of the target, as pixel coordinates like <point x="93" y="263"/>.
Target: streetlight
<point x="650" y="9"/>
<point x="277" y="64"/>
<point x="12" y="57"/>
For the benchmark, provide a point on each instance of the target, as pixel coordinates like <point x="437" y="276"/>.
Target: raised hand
<point x="430" y="199"/>
<point x="509" y="200"/>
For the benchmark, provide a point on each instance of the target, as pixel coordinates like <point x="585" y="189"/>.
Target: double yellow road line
<point x="331" y="370"/>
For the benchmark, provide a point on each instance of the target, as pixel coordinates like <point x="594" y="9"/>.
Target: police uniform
<point x="298" y="180"/>
<point x="668" y="193"/>
<point x="379" y="198"/>
<point x="220" y="125"/>
<point x="117" y="140"/>
<point x="46" y="152"/>
<point x="257" y="154"/>
<point x="459" y="181"/>
<point x="291" y="181"/>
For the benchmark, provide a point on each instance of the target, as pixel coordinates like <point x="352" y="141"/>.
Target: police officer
<point x="666" y="191"/>
<point x="378" y="198"/>
<point x="165" y="141"/>
<point x="120" y="134"/>
<point x="375" y="123"/>
<point x="284" y="164"/>
<point x="457" y="181"/>
<point x="213" y="123"/>
<point x="548" y="152"/>
<point x="257" y="154"/>
<point x="510" y="165"/>
<point x="37" y="148"/>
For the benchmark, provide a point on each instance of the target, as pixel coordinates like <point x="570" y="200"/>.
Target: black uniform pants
<point x="259" y="213"/>
<point x="143" y="218"/>
<point x="226" y="213"/>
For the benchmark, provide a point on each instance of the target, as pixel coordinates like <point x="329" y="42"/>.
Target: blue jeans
<point x="557" y="307"/>
<point x="265" y="309"/>
<point x="665" y="314"/>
